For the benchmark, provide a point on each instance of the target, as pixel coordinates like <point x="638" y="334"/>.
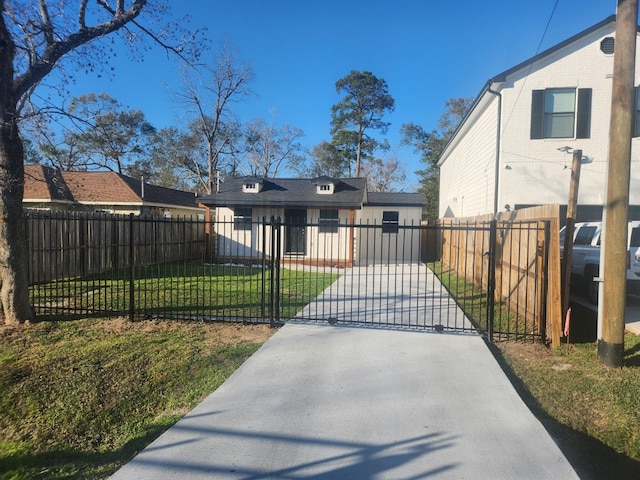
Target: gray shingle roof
<point x="396" y="199"/>
<point x="349" y="192"/>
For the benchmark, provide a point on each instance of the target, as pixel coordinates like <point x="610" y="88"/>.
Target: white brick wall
<point x="535" y="171"/>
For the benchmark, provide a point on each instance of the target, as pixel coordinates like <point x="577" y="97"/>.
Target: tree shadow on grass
<point x="74" y="464"/>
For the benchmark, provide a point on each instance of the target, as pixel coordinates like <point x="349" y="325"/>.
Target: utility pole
<point x="614" y="255"/>
<point x="572" y="207"/>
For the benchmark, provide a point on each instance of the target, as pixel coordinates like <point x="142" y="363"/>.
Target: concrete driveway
<point x="344" y="402"/>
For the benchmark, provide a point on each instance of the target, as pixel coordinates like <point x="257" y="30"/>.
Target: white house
<point x="329" y="221"/>
<point x="514" y="147"/>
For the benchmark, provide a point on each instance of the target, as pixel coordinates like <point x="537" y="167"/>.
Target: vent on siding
<point x="607" y="45"/>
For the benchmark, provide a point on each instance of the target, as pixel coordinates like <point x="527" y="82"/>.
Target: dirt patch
<point x="215" y="333"/>
<point x="530" y="352"/>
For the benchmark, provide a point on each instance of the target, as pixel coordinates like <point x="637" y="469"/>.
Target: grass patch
<point x="473" y="301"/>
<point x="183" y="290"/>
<point x="81" y="398"/>
<point x="592" y="410"/>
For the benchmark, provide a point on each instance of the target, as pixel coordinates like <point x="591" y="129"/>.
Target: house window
<point x="242" y="219"/>
<point x="325" y="188"/>
<point x="328" y="221"/>
<point x="556" y="114"/>
<point x="251" y="187"/>
<point x="390" y="221"/>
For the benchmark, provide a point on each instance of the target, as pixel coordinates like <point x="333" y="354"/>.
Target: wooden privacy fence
<point x="68" y="244"/>
<point x="527" y="262"/>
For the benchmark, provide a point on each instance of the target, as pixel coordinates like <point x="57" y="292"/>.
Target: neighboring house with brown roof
<point x="46" y="188"/>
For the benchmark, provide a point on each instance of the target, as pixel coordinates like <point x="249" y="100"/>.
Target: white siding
<point x="374" y="246"/>
<point x="535" y="171"/>
<point x="371" y="245"/>
<point x="326" y="246"/>
<point x="467" y="178"/>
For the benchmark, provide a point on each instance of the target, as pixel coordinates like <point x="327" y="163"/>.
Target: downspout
<point x="496" y="258"/>
<point x="497" y="166"/>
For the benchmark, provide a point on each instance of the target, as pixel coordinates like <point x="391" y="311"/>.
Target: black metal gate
<point x="363" y="274"/>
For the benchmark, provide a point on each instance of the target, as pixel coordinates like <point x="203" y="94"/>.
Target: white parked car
<point x="585" y="262"/>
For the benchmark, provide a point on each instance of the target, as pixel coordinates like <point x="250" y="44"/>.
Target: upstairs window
<point x="561" y="113"/>
<point x="328" y="221"/>
<point x="325" y="188"/>
<point x="390" y="220"/>
<point x="242" y="218"/>
<point x="251" y="186"/>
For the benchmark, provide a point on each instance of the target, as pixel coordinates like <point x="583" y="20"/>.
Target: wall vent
<point x="607" y="45"/>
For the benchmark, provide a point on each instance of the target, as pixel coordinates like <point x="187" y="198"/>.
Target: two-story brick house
<point x="511" y="149"/>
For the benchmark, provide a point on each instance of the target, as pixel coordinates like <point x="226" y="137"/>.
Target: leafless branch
<point x="55" y="50"/>
<point x="82" y="14"/>
<point x="46" y="22"/>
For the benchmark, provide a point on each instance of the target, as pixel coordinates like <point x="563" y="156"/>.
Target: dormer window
<point x="251" y="186"/>
<point x="325" y="188"/>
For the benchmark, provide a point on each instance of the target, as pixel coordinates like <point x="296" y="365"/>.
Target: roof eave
<point x="502" y="77"/>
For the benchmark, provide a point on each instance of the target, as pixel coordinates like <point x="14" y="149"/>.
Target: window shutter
<point x="537" y="109"/>
<point x="583" y="127"/>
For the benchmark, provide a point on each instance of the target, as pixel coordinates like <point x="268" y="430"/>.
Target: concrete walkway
<point x="347" y="402"/>
<point x="397" y="295"/>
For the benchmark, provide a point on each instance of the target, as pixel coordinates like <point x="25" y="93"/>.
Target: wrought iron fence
<point x="269" y="270"/>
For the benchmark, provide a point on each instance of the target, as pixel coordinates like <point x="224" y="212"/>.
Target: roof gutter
<point x="496" y="189"/>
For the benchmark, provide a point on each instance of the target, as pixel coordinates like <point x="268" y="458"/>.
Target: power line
<point x="544" y="34"/>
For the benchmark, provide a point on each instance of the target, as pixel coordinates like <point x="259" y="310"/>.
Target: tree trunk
<point x="14" y="292"/>
<point x="359" y="151"/>
<point x="13" y="240"/>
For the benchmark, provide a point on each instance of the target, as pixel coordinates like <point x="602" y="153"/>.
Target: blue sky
<point x="427" y="51"/>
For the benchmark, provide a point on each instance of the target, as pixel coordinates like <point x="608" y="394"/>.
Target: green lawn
<point x="507" y="323"/>
<point x="184" y="290"/>
<point x="80" y="398"/>
<point x="590" y="409"/>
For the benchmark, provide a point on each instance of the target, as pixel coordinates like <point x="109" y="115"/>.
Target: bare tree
<point x="185" y="152"/>
<point x="209" y="95"/>
<point x="110" y="136"/>
<point x="386" y="175"/>
<point x="36" y="37"/>
<point x="325" y="159"/>
<point x="269" y="146"/>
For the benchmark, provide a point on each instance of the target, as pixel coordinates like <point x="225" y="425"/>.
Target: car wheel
<point x="591" y="285"/>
